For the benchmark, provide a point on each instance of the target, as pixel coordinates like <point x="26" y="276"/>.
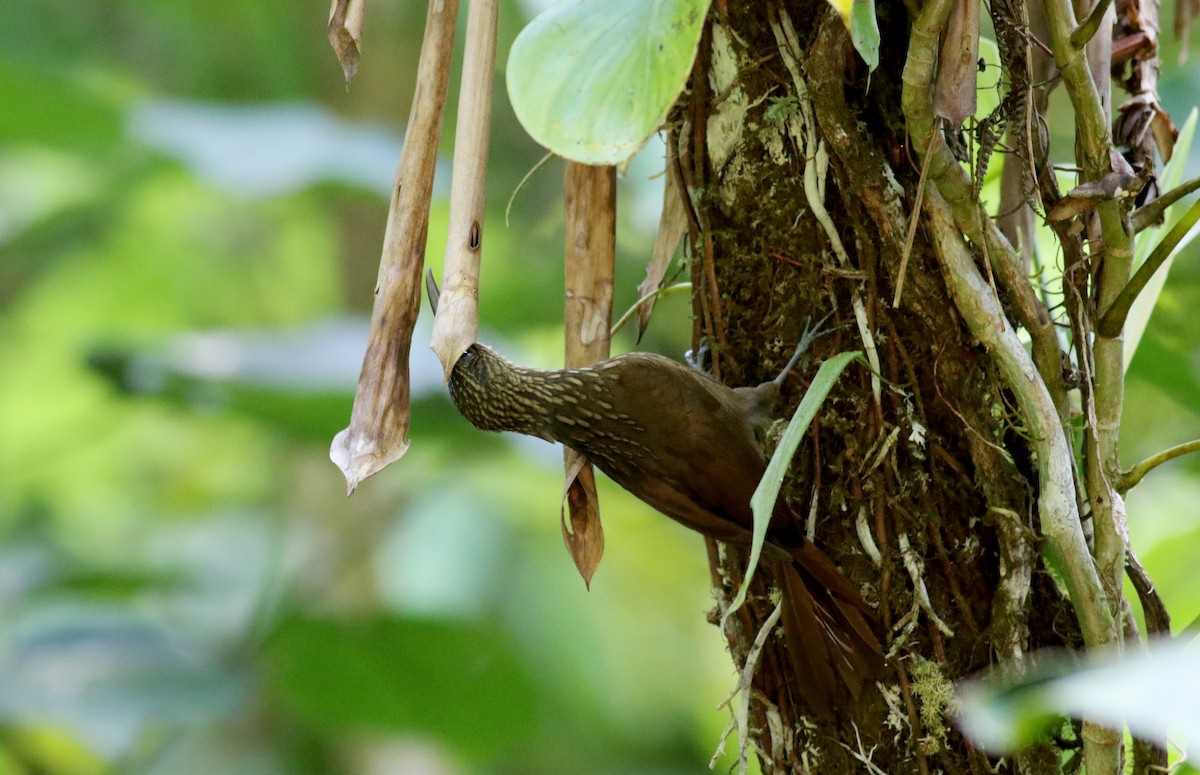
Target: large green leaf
<point x="592" y="79"/>
<point x="1153" y="691"/>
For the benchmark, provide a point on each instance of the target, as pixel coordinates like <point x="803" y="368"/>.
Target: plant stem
<point x="1130" y="478"/>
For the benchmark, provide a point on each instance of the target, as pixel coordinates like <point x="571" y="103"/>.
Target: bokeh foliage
<point x="183" y="586"/>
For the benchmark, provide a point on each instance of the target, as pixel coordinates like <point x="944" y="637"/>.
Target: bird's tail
<point x="832" y="636"/>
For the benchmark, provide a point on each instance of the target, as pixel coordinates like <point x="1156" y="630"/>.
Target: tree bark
<point x="919" y="482"/>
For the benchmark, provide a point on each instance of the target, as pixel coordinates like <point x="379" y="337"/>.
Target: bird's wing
<point x="706" y="459"/>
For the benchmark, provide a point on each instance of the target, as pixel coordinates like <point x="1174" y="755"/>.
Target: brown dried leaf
<point x="591" y="246"/>
<point x="378" y="430"/>
<point x="1070" y="206"/>
<point x="345" y="33"/>
<point x="456" y="326"/>
<point x="1085" y="196"/>
<point x="1129" y="46"/>
<point x="590" y="250"/>
<point x="1119" y="164"/>
<point x="1165" y="133"/>
<point x="582" y="532"/>
<point x="671" y="225"/>
<point x="954" y="96"/>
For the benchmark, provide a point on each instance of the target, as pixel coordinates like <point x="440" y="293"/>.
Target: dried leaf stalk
<point x="591" y="240"/>
<point x="378" y="430"/>
<point x="457" y="325"/>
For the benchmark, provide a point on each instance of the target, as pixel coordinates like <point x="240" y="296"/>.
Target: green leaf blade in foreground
<point x="762" y="503"/>
<point x="1143" y="306"/>
<point x="592" y="80"/>
<point x="1154" y="690"/>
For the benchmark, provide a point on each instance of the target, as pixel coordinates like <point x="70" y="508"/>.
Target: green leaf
<point x="1152" y="691"/>
<point x="592" y="79"/>
<point x="457" y="681"/>
<point x="1143" y="306"/>
<point x="864" y="31"/>
<point x="44" y="108"/>
<point x="762" y="503"/>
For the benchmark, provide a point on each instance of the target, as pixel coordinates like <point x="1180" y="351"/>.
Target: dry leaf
<point x="582" y="531"/>
<point x="1070" y="206"/>
<point x="1129" y="46"/>
<point x="345" y="34"/>
<point x="590" y="254"/>
<point x="954" y="96"/>
<point x="378" y="430"/>
<point x="671" y="225"/>
<point x="1085" y="196"/>
<point x="1165" y="133"/>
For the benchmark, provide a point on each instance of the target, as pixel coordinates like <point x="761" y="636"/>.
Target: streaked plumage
<point x="686" y="445"/>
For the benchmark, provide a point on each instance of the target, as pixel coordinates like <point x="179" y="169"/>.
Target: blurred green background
<point x="191" y="209"/>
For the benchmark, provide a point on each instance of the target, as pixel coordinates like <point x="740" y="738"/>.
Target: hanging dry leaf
<point x="590" y="251"/>
<point x="955" y="93"/>
<point x="671" y="224"/>
<point x="1142" y="128"/>
<point x="582" y="531"/>
<point x="1165" y="133"/>
<point x="378" y="430"/>
<point x="456" y="326"/>
<point x="345" y="34"/>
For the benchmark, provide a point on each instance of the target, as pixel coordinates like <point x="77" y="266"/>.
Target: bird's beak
<point x="432" y="290"/>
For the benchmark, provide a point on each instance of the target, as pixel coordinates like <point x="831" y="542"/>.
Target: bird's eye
<point x="463" y="363"/>
<point x="470" y="360"/>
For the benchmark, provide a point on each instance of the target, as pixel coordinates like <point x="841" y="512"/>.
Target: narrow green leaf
<point x="1143" y="305"/>
<point x="763" y="501"/>
<point x="592" y="79"/>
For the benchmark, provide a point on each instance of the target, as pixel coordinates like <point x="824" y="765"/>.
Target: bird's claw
<point x="811" y="332"/>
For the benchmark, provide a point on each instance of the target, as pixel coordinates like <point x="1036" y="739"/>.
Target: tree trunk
<point x="921" y="483"/>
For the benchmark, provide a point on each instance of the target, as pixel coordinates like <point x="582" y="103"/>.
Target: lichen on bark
<point x="932" y="462"/>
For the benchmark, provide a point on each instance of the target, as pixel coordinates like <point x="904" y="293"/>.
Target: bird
<point x="689" y="446"/>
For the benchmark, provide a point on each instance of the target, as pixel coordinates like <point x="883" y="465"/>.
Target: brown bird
<point x="686" y="444"/>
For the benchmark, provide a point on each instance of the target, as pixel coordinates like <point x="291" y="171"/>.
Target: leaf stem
<point x="657" y="292"/>
<point x="1146" y="216"/>
<point x="1087" y="30"/>
<point x="1130" y="478"/>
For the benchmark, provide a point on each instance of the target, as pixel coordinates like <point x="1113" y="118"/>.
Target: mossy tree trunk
<point x="940" y="485"/>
